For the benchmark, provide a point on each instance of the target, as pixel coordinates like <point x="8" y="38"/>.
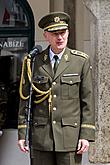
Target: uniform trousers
<point x="55" y="158"/>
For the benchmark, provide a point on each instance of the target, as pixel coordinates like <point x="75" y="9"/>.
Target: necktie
<point x="55" y="63"/>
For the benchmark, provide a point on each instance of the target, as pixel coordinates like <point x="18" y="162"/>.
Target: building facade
<point x="89" y="32"/>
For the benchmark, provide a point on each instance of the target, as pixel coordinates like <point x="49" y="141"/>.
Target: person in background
<point x="62" y="105"/>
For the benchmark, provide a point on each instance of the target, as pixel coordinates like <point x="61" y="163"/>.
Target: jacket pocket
<point x="39" y="132"/>
<point x="41" y="82"/>
<point x="70" y="122"/>
<point x="70" y="86"/>
<point x="40" y="121"/>
<point x="40" y="79"/>
<point x="71" y="129"/>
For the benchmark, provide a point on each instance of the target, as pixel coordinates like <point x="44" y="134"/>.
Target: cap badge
<point x="57" y="19"/>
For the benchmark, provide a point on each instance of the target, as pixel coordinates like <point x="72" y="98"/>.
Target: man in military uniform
<point x="62" y="106"/>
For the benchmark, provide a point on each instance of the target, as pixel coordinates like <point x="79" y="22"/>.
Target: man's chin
<point x="60" y="47"/>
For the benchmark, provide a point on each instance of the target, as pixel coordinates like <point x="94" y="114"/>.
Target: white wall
<point x="39" y="8"/>
<point x="10" y="154"/>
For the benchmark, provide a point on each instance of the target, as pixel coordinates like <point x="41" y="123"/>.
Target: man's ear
<point x="68" y="33"/>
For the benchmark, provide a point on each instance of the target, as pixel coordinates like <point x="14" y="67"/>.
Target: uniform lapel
<point x="46" y="63"/>
<point x="64" y="63"/>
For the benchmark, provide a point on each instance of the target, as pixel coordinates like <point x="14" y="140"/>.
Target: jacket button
<point x="75" y="124"/>
<point x="54" y="108"/>
<point x="54" y="122"/>
<point x="54" y="83"/>
<point x="54" y="96"/>
<point x="35" y="123"/>
<point x="90" y="67"/>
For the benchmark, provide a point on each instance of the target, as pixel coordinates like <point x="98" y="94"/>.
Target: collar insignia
<point x="45" y="57"/>
<point x="66" y="57"/>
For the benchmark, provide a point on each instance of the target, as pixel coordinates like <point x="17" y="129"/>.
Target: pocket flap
<point x="70" y="79"/>
<point x="70" y="122"/>
<point x="40" y="79"/>
<point x="40" y="121"/>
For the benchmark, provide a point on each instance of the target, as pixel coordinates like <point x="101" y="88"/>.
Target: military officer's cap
<point x="54" y="21"/>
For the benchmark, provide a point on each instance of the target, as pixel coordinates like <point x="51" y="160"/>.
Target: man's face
<point x="58" y="39"/>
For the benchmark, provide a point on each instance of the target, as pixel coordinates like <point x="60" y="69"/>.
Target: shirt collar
<point x="51" y="54"/>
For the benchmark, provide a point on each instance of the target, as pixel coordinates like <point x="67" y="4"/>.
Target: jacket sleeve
<point x="23" y="105"/>
<point x="87" y="103"/>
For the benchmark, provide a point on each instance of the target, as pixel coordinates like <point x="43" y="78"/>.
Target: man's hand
<point x="83" y="146"/>
<point x="22" y="146"/>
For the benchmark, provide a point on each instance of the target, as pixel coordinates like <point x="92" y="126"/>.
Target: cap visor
<point x="57" y="28"/>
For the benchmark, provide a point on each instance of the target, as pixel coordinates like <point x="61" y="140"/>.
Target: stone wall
<point x="100" y="150"/>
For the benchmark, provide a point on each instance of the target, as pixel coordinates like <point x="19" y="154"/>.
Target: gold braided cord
<point x="50" y="101"/>
<point x="42" y="99"/>
<point x="39" y="95"/>
<point x="33" y="86"/>
<point x="22" y="126"/>
<point x="88" y="126"/>
<point x="21" y="81"/>
<point x="44" y="94"/>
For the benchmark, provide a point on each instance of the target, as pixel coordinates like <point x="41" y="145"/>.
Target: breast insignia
<point x="79" y="53"/>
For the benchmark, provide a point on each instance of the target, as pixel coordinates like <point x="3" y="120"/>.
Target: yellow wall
<point x="42" y="7"/>
<point x="39" y="8"/>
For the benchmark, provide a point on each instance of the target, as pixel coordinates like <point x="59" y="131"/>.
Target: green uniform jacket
<point x="72" y="109"/>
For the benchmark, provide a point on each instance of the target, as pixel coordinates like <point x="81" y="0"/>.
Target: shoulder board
<point x="79" y="53"/>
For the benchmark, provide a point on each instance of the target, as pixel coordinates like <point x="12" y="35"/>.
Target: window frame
<point x="28" y="31"/>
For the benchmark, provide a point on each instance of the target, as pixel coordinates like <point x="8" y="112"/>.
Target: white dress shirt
<point x="52" y="59"/>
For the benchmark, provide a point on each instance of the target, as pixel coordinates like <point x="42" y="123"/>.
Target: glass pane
<point x="15" y="48"/>
<point x="12" y="51"/>
<point x="12" y="14"/>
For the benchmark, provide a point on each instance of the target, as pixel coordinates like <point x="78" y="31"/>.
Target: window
<point x="16" y="39"/>
<point x="12" y="14"/>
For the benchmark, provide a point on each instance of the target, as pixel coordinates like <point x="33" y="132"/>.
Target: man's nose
<point x="59" y="36"/>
